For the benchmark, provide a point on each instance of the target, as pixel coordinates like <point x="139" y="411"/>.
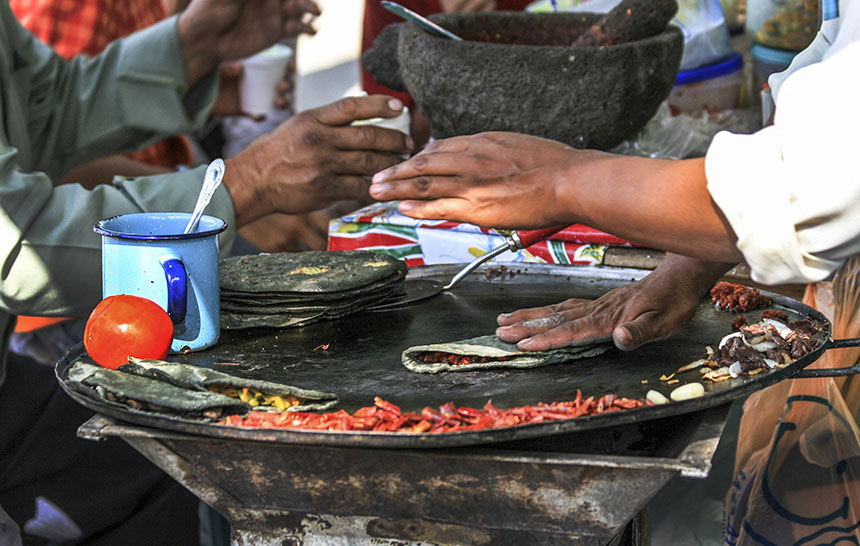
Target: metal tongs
<point x="420" y="289"/>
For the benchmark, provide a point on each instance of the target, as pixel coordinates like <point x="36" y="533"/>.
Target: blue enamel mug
<point x="146" y="254"/>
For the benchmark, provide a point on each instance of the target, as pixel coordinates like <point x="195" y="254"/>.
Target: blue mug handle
<point x="177" y="295"/>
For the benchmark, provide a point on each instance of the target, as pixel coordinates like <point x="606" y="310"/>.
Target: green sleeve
<point x="130" y="96"/>
<point x="54" y="114"/>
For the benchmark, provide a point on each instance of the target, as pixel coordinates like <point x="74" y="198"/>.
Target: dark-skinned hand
<point x="644" y="311"/>
<point x="315" y="158"/>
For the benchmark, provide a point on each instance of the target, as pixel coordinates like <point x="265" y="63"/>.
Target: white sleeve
<point x="792" y="191"/>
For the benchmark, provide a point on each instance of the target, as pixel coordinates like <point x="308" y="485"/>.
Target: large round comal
<point x="518" y="72"/>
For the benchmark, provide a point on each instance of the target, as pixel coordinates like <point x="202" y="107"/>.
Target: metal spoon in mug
<point x="211" y="181"/>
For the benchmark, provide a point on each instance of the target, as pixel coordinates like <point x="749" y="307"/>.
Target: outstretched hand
<point x="214" y="31"/>
<point x="501" y="180"/>
<point x="516" y="181"/>
<point x="648" y="310"/>
<point x="315" y="158"/>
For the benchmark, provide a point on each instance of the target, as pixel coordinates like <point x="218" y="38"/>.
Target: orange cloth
<point x="74" y="27"/>
<point x="28" y="324"/>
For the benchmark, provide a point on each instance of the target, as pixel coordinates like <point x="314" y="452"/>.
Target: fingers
<point x="441" y="158"/>
<point x="346" y="188"/>
<point x="345" y="111"/>
<point x="320" y="193"/>
<point x="298" y="16"/>
<point x="428" y="175"/>
<point x="284" y="95"/>
<point x="230" y="71"/>
<point x="297" y="8"/>
<point x="555" y="330"/>
<point x="643" y="329"/>
<point x="571" y="322"/>
<point x="369" y="137"/>
<point x="361" y="163"/>
<point x="454" y="210"/>
<point x="284" y="86"/>
<point x="294" y="28"/>
<point x="522" y="315"/>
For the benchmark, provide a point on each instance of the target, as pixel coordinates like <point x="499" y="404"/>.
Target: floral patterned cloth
<point x="382" y="228"/>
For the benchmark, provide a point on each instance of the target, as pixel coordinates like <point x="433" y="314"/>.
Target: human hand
<point x="229" y="101"/>
<point x="315" y="158"/>
<point x="644" y="311"/>
<point x="285" y="87"/>
<point x="213" y="31"/>
<point x="501" y="180"/>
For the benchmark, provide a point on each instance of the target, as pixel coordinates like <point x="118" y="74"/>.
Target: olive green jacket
<point x="56" y="114"/>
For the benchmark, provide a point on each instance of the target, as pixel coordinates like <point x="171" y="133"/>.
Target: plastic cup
<point x="260" y="76"/>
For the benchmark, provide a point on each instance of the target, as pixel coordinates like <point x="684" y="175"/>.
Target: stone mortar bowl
<point x="516" y="71"/>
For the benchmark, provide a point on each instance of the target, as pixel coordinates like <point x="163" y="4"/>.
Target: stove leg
<point x="637" y="532"/>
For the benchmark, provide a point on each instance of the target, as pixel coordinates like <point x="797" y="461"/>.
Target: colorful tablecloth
<point x="380" y="227"/>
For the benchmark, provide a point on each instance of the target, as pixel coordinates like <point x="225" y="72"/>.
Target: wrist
<point x="198" y="48"/>
<point x="696" y="276"/>
<point x="241" y="181"/>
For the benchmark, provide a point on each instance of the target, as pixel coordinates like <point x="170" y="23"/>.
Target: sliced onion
<point x="655" y="397"/>
<point x="763" y="346"/>
<point x="783" y="330"/>
<point x="685" y="392"/>
<point x="730" y="336"/>
<point x="694" y="365"/>
<point x="735" y="369"/>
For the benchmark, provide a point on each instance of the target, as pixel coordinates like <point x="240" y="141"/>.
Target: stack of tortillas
<point x="294" y="289"/>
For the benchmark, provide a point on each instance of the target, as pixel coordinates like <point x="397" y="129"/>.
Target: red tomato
<point x="126" y="325"/>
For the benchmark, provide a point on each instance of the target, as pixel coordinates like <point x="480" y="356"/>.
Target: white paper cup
<point x="260" y="76"/>
<point x="400" y="122"/>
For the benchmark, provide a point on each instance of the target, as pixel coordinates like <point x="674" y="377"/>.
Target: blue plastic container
<point x="713" y="88"/>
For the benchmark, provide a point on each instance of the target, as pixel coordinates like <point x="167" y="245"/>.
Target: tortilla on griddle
<point x="145" y="394"/>
<point x="295" y="289"/>
<point x="503" y="355"/>
<point x="191" y="377"/>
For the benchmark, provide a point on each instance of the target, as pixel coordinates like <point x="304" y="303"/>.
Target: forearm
<point x="103" y="171"/>
<point x="657" y="203"/>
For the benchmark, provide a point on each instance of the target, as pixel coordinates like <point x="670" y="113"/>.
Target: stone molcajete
<point x="518" y="72"/>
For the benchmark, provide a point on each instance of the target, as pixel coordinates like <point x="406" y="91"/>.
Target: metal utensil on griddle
<point x="423" y="23"/>
<point x="421" y="289"/>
